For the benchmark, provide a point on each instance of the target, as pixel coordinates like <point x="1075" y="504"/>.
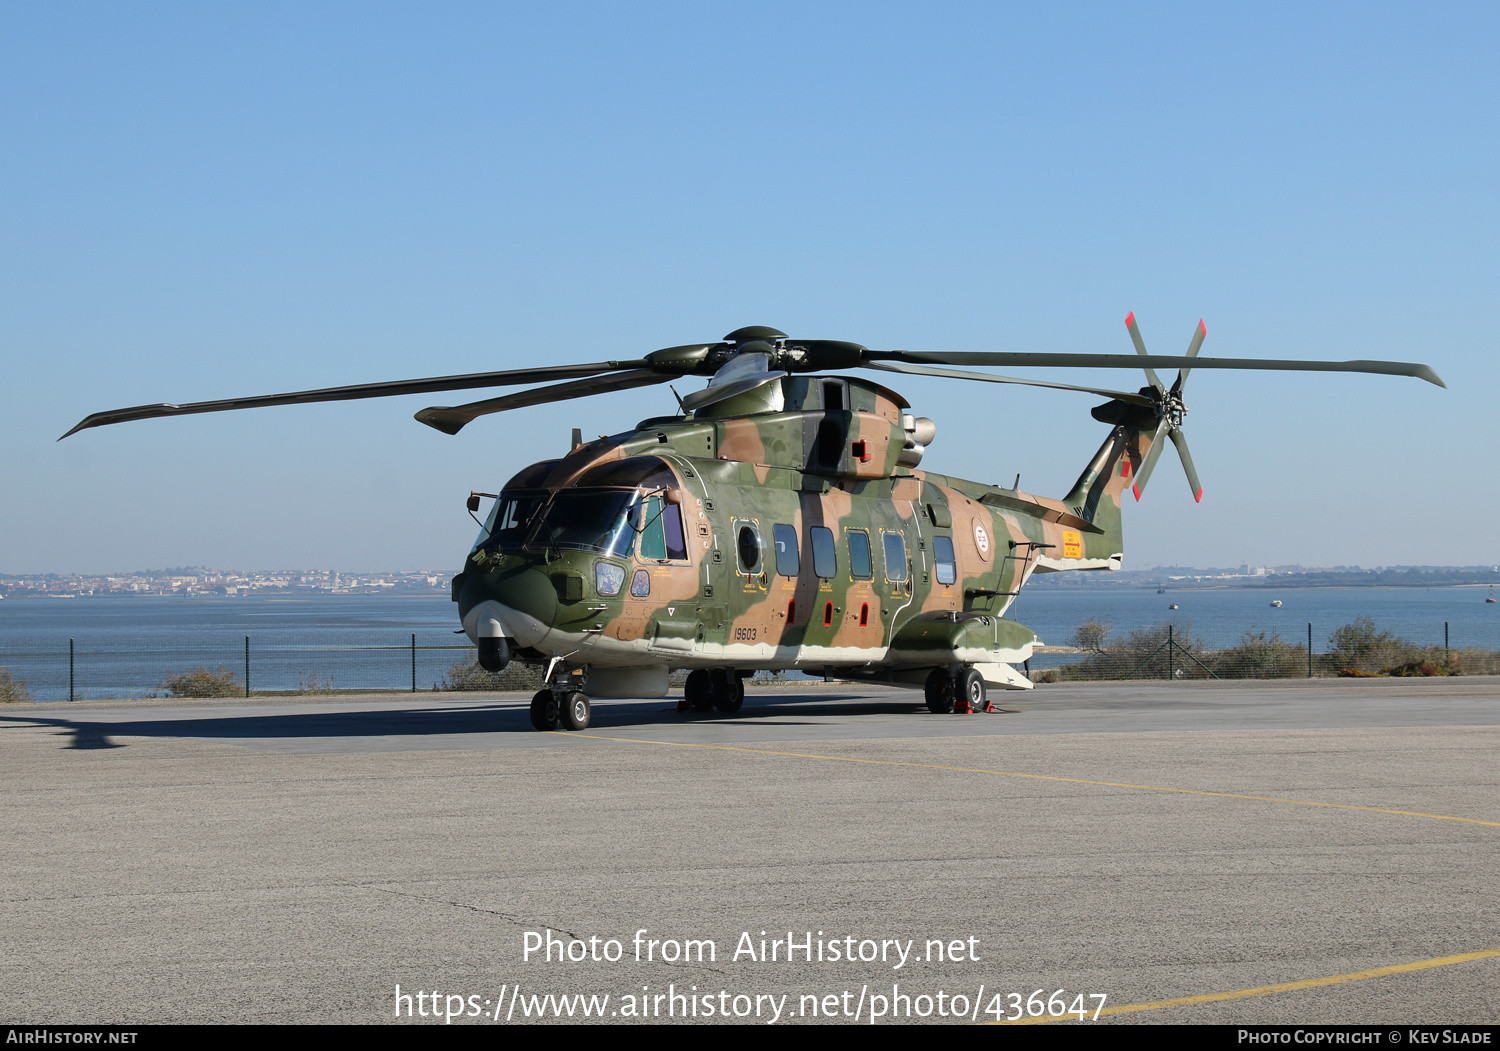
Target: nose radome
<point x="525" y="604"/>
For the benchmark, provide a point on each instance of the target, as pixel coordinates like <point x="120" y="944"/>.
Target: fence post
<point x="413" y="662"/>
<point x="1309" y="649"/>
<point x="1447" y="656"/>
<point x="70" y="669"/>
<point x="247" y="665"/>
<point x="1170" y="644"/>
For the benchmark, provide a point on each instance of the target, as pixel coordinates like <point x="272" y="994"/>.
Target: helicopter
<point x="780" y="521"/>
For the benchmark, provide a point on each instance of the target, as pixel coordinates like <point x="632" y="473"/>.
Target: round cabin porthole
<point x="749" y="544"/>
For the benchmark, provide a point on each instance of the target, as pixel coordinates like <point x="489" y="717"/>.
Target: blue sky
<point x="199" y="201"/>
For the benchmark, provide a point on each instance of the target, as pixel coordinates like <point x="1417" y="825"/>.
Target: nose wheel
<point x="545" y="711"/>
<point x="549" y="711"/>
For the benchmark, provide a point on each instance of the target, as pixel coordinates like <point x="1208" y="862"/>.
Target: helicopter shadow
<point x="97" y="730"/>
<point x="757" y="711"/>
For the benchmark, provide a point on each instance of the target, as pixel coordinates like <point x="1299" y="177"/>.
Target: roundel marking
<point x="981" y="540"/>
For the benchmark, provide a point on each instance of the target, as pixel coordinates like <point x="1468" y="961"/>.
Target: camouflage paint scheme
<point x="809" y="452"/>
<point x="875" y="570"/>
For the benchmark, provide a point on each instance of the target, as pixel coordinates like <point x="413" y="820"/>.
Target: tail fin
<point x="1099" y="491"/>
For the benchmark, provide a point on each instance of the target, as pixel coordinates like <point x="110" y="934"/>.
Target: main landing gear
<point x="569" y="709"/>
<point x="962" y="693"/>
<point x="707" y="690"/>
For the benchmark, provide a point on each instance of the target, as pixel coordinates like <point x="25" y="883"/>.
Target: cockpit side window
<point x="511" y="519"/>
<point x="661" y="532"/>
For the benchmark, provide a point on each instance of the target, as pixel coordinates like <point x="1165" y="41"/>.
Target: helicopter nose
<point x="525" y="603"/>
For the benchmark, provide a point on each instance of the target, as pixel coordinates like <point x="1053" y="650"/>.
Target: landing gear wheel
<point x="544" y="710"/>
<point x="969" y="691"/>
<point x="575" y="711"/>
<point x="729" y="695"/>
<point x="697" y="694"/>
<point x="939" y="692"/>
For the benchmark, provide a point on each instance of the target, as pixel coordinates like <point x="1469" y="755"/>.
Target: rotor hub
<point x="1171" y="408"/>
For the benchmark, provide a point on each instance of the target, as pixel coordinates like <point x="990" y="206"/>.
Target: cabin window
<point x="942" y="553"/>
<point x="859" y="555"/>
<point x="825" y="559"/>
<point x="748" y="547"/>
<point x="788" y="558"/>
<point x="640" y="584"/>
<point x="895" y="556"/>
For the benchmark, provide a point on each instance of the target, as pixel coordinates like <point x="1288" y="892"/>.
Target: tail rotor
<point x="1170" y="411"/>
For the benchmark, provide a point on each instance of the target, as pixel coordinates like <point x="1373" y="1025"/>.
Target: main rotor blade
<point x="1140" y="348"/>
<point x="1144" y="471"/>
<point x="1022" y="359"/>
<point x="958" y="374"/>
<point x="451" y="419"/>
<point x="360" y="390"/>
<point x="1180" y="440"/>
<point x="1192" y="352"/>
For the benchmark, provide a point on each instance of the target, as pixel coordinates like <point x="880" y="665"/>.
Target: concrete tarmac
<point x="1230" y="852"/>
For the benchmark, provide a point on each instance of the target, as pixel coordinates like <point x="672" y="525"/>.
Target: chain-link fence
<point x="1360" y="648"/>
<point x="220" y="664"/>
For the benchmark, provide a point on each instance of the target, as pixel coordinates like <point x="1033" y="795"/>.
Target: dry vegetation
<point x="202" y="681"/>
<point x="1359" y="648"/>
<point x="12" y="690"/>
<point x="468" y="675"/>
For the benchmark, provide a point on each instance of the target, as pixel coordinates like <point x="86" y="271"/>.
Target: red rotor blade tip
<point x="1137" y="491"/>
<point x="1202" y="327"/>
<point x="1198" y="497"/>
<point x="1129" y="318"/>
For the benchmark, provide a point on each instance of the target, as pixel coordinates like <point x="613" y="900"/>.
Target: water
<point x="125" y="647"/>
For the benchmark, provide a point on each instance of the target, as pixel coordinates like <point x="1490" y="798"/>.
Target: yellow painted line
<point x="1035" y="777"/>
<point x="1266" y="990"/>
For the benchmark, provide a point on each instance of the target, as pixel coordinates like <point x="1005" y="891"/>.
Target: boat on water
<point x="1276" y="603"/>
